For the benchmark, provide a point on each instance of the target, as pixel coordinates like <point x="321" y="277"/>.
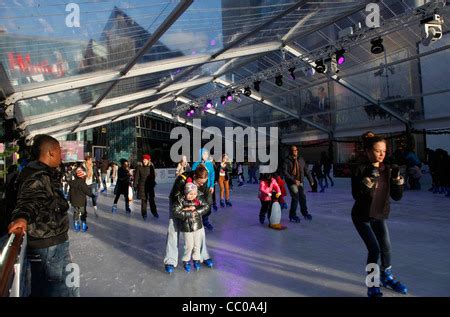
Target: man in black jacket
<point x="294" y="170"/>
<point x="41" y="211"/>
<point x="144" y="184"/>
<point x="199" y="177"/>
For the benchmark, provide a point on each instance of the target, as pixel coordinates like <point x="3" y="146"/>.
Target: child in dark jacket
<point x="189" y="211"/>
<point x="77" y="196"/>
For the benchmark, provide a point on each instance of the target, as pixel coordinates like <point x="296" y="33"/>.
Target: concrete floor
<point x="122" y="255"/>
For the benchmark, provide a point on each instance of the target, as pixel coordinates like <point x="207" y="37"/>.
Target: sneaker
<point x="208" y="262"/>
<point x="227" y="202"/>
<point x="374" y="292"/>
<point x="187" y="266"/>
<point x="295" y="219"/>
<point x="169" y="268"/>
<point x="387" y="279"/>
<point x="197" y="265"/>
<point x="114" y="209"/>
<point x="76" y="226"/>
<point x="308" y="217"/>
<point x="84" y="226"/>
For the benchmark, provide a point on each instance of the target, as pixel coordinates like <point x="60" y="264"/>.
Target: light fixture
<point x="256" y="85"/>
<point x="190" y="112"/>
<point x="377" y="46"/>
<point x="229" y="96"/>
<point x="340" y="57"/>
<point x="247" y="91"/>
<point x="279" y="80"/>
<point x="320" y="66"/>
<point x="208" y="104"/>
<point x="223" y="100"/>
<point x="291" y="71"/>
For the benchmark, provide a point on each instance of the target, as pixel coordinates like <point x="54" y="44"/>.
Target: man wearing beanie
<point x="144" y="184"/>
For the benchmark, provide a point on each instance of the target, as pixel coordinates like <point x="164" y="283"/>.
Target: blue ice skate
<point x="387" y="279"/>
<point x="187" y="266"/>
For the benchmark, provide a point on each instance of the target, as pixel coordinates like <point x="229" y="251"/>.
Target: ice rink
<point x="122" y="255"/>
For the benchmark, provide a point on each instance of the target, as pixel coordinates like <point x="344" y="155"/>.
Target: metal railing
<point x="12" y="258"/>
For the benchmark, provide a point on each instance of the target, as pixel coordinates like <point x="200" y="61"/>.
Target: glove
<point x="368" y="182"/>
<point x="395" y="171"/>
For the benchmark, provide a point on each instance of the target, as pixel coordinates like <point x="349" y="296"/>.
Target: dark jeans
<point x="48" y="272"/>
<point x="151" y="198"/>
<point x="266" y="208"/>
<point x="298" y="195"/>
<point x="127" y="202"/>
<point x="327" y="175"/>
<point x="375" y="235"/>
<point x="79" y="213"/>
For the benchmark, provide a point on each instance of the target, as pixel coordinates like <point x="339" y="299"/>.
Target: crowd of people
<point x="44" y="190"/>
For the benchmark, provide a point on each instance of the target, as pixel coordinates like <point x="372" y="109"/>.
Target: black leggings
<point x="266" y="208"/>
<point x="375" y="235"/>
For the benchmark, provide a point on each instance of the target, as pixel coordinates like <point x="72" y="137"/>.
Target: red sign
<point x="24" y="65"/>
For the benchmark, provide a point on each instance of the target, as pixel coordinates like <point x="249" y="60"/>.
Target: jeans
<point x="375" y="235"/>
<point x="93" y="187"/>
<point x="79" y="213"/>
<point x="150" y="196"/>
<point x="298" y="195"/>
<point x="104" y="180"/>
<point x="173" y="238"/>
<point x="48" y="272"/>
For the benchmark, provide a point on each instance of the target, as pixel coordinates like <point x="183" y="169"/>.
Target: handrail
<point x="9" y="257"/>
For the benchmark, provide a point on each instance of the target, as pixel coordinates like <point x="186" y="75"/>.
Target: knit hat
<point x="80" y="172"/>
<point x="190" y="187"/>
<point x="146" y="157"/>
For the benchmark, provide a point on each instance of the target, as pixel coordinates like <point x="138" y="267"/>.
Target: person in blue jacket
<point x="207" y="162"/>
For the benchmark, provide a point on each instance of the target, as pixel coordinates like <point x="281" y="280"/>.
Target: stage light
<point x="208" y="104"/>
<point x="247" y="91"/>
<point x="377" y="46"/>
<point x="340" y="58"/>
<point x="223" y="100"/>
<point x="256" y="85"/>
<point x="279" y="80"/>
<point x="291" y="71"/>
<point x="190" y="112"/>
<point x="320" y="66"/>
<point x="229" y="96"/>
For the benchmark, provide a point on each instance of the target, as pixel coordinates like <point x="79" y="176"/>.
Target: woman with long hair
<point x="373" y="182"/>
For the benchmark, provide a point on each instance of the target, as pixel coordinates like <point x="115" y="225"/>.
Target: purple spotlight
<point x="229" y="96"/>
<point x="213" y="42"/>
<point x="209" y="104"/>
<point x="340" y="58"/>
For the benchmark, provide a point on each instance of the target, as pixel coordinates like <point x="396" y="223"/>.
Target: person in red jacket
<point x="281" y="184"/>
<point x="267" y="185"/>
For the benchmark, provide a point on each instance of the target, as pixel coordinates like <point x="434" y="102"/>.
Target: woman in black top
<point x="372" y="184"/>
<point x="122" y="186"/>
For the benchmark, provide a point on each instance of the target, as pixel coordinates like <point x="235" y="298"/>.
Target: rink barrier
<point x="12" y="259"/>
